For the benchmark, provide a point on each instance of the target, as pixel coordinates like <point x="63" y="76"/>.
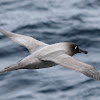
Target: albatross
<point x="43" y="55"/>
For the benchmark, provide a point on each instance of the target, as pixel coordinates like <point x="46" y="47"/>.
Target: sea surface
<point x="50" y="21"/>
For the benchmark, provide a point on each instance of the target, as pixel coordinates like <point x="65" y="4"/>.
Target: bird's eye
<point x="76" y="47"/>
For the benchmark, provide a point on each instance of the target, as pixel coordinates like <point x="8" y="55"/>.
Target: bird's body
<point x="43" y="55"/>
<point x="32" y="61"/>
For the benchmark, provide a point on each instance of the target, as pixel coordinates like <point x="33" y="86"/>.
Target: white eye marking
<point x="75" y="47"/>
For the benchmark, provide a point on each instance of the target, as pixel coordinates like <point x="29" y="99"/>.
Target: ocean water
<point x="50" y="21"/>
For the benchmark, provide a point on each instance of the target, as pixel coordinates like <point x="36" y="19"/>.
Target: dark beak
<point x="82" y="51"/>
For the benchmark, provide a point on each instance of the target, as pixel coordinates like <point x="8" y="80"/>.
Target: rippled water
<point x="50" y="21"/>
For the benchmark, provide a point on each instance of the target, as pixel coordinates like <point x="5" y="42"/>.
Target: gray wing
<point x="61" y="58"/>
<point x="30" y="43"/>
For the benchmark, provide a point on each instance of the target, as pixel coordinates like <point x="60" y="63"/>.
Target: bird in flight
<point x="43" y="55"/>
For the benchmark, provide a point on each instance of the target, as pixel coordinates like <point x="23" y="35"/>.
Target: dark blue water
<point x="50" y="21"/>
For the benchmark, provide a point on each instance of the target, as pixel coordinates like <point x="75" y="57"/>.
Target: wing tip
<point x="95" y="76"/>
<point x="8" y="69"/>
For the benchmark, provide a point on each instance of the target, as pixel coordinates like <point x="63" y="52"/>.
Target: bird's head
<point x="74" y="49"/>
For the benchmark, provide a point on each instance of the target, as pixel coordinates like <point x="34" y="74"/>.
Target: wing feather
<point x="30" y="43"/>
<point x="61" y="58"/>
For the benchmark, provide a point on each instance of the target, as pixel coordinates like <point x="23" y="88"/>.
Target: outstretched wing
<point x="30" y="43"/>
<point x="61" y="58"/>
